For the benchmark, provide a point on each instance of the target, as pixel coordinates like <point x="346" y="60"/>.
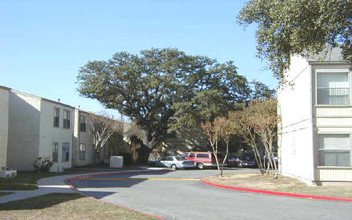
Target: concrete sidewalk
<point x="54" y="184"/>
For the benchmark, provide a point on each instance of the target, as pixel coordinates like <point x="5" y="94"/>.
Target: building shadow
<point x="40" y="202"/>
<point x="114" y="180"/>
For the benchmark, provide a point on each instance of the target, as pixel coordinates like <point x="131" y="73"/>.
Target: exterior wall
<point x="50" y="134"/>
<point x="81" y="137"/>
<point x="23" y="132"/>
<point x="27" y="132"/>
<point x="331" y="120"/>
<point x="4" y="124"/>
<point x="295" y="106"/>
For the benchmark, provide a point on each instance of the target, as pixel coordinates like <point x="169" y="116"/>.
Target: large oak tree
<point x="287" y="27"/>
<point x="150" y="87"/>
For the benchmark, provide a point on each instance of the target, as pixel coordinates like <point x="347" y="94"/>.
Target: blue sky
<point x="43" y="44"/>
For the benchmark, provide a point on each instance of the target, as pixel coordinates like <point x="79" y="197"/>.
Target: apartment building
<point x="316" y="129"/>
<point x="83" y="140"/>
<point x="38" y="127"/>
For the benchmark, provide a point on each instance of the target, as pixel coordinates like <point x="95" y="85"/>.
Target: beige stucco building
<point x="38" y="128"/>
<point x="316" y="129"/>
<point x="32" y="127"/>
<point x="82" y="153"/>
<point x="4" y="124"/>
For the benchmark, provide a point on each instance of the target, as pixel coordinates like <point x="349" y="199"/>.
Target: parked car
<point x="175" y="162"/>
<point x="242" y="162"/>
<point x="202" y="159"/>
<point x="233" y="161"/>
<point x="250" y="163"/>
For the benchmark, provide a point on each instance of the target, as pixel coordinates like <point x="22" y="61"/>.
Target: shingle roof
<point x="327" y="55"/>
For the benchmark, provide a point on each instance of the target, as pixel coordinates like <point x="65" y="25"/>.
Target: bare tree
<point x="243" y="127"/>
<point x="212" y="131"/>
<point x="102" y="127"/>
<point x="264" y="119"/>
<point x="226" y="130"/>
<point x="258" y="123"/>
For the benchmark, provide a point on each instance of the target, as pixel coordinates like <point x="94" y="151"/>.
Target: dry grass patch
<point x="283" y="184"/>
<point x="65" y="206"/>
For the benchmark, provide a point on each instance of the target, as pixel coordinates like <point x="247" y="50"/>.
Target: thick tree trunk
<point x="149" y="140"/>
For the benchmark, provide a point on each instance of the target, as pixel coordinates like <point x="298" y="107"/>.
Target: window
<point x="83" y="123"/>
<point x="333" y="88"/>
<point x="203" y="155"/>
<point x="67" y="118"/>
<point x="82" y="151"/>
<point x="335" y="150"/>
<point x="191" y="155"/>
<point x="65" y="152"/>
<point x="167" y="158"/>
<point x="180" y="158"/>
<point x="55" y="151"/>
<point x="56" y="117"/>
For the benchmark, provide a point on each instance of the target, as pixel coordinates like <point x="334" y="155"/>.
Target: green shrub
<point x="42" y="164"/>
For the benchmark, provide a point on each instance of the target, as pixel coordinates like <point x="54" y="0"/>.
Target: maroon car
<point x="202" y="159"/>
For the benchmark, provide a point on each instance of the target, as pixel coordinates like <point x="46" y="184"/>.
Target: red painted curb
<point x="277" y="193"/>
<point x="67" y="182"/>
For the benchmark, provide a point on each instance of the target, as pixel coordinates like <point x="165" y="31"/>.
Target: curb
<point x="67" y="182"/>
<point x="277" y="193"/>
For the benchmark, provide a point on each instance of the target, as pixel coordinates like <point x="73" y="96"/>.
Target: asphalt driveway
<point x="180" y="195"/>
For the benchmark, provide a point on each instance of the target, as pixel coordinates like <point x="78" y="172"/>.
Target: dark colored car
<point x="233" y="161"/>
<point x="242" y="162"/>
<point x="249" y="163"/>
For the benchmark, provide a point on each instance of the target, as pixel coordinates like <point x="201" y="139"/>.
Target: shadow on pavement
<point x="40" y="202"/>
<point x="114" y="180"/>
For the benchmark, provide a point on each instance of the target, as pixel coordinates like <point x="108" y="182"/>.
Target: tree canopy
<point x="151" y="87"/>
<point x="287" y="28"/>
<point x="211" y="94"/>
<point x="142" y="87"/>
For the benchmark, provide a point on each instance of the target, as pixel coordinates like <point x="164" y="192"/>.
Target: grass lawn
<point x="283" y="184"/>
<point x="65" y="206"/>
<point x="23" y="181"/>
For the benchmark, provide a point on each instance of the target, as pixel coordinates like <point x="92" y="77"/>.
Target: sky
<point x="43" y="44"/>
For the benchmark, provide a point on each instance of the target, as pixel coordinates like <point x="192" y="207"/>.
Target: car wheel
<point x="200" y="166"/>
<point x="173" y="166"/>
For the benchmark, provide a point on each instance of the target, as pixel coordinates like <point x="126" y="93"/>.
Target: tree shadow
<point x="40" y="202"/>
<point x="113" y="180"/>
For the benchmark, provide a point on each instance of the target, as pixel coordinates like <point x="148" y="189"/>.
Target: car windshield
<point x="180" y="158"/>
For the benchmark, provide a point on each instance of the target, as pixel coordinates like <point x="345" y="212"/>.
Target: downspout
<point x="312" y="119"/>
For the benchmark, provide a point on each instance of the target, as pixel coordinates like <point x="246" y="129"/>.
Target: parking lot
<point x="180" y="195"/>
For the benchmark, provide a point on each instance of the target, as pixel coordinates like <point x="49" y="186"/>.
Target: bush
<point x="127" y="158"/>
<point x="42" y="164"/>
